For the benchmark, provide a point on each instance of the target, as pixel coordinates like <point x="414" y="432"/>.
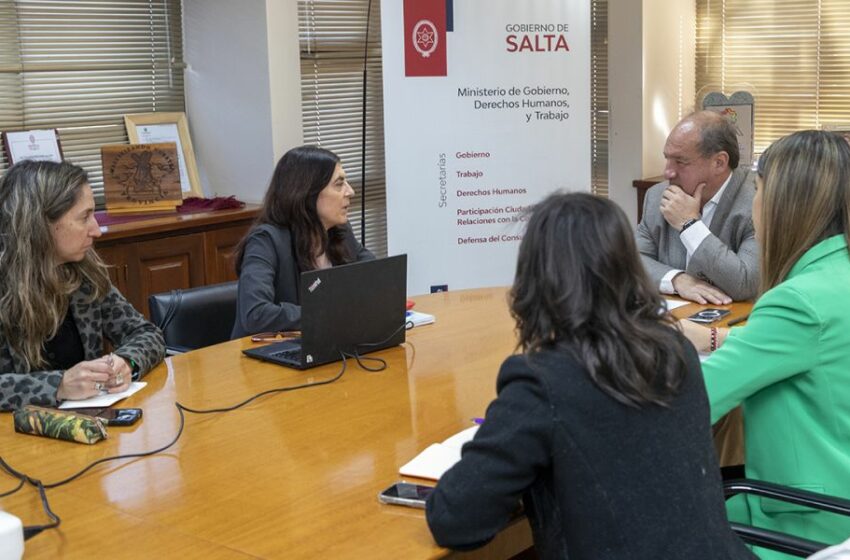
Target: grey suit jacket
<point x="728" y="258"/>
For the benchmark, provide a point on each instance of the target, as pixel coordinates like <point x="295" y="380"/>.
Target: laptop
<point x="351" y="308"/>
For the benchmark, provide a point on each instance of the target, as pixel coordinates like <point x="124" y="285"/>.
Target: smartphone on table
<point x="113" y="416"/>
<point x="709" y="315"/>
<point x="406" y="494"/>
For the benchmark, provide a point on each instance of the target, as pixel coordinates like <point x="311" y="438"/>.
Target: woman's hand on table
<point x="84" y="380"/>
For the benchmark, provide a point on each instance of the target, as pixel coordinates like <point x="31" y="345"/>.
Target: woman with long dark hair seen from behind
<point x="789" y="366"/>
<point x="56" y="302"/>
<point x="302" y="226"/>
<point x="601" y="425"/>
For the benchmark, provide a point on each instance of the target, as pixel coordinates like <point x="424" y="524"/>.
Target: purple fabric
<point x="191" y="205"/>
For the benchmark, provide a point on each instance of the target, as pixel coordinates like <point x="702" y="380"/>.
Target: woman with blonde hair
<point x="789" y="367"/>
<point x="56" y="302"/>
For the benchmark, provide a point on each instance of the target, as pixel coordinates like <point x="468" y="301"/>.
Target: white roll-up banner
<point x="486" y="111"/>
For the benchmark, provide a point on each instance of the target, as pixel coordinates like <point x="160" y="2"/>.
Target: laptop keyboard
<point x="291" y="354"/>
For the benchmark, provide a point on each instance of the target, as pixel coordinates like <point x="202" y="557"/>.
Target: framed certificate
<point x="157" y="128"/>
<point x="40" y="145"/>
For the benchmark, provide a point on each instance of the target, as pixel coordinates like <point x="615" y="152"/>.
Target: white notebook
<point x="438" y="457"/>
<point x="418" y="319"/>
<point x="672" y="304"/>
<point x="104" y="398"/>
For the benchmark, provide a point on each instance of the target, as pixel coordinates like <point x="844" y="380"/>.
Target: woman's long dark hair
<point x="290" y="202"/>
<point x="580" y="286"/>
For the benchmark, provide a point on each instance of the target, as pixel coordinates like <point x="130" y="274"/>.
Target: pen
<point x="737" y="320"/>
<point x="478" y="421"/>
<point x="272" y="336"/>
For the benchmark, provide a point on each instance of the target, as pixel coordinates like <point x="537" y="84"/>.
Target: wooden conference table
<point x="292" y="475"/>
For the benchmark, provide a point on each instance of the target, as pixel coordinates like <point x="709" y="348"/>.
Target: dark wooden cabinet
<point x="161" y="265"/>
<point x="219" y="249"/>
<point x="643" y="185"/>
<point x="114" y="257"/>
<point x="165" y="253"/>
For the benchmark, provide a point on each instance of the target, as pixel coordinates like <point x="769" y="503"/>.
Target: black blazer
<point x="599" y="480"/>
<point x="267" y="297"/>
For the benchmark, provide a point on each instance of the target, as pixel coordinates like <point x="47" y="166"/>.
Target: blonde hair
<point x="805" y="198"/>
<point x="34" y="291"/>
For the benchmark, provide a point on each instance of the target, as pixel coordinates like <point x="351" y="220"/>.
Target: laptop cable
<point x="33" y="530"/>
<point x="383" y="363"/>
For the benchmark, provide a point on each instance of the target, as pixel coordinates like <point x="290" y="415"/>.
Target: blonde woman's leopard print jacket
<point x="113" y="318"/>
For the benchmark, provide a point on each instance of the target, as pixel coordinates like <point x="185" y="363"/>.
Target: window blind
<point x="332" y="35"/>
<point x="599" y="97"/>
<point x="80" y="66"/>
<point x="792" y="55"/>
<point x="332" y="39"/>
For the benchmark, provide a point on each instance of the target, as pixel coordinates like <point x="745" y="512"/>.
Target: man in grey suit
<point x="696" y="237"/>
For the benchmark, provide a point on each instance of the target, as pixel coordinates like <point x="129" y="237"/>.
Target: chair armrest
<point x="774" y="540"/>
<point x="175" y="350"/>
<point x="832" y="504"/>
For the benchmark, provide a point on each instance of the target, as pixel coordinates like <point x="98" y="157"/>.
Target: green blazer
<point x="790" y="369"/>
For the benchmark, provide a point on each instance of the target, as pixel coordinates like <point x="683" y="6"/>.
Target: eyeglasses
<point x="273" y="336"/>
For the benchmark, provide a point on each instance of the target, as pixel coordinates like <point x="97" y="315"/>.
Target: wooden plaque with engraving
<point x="141" y="178"/>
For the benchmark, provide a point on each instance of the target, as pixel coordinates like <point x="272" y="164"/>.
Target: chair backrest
<point x="196" y="317"/>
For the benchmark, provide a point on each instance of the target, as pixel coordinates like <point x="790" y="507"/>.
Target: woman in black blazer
<point x="303" y="225"/>
<point x="601" y="426"/>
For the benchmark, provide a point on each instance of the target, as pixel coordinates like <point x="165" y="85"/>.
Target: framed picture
<point x="40" y="145"/>
<point x="156" y="128"/>
<point x="738" y="108"/>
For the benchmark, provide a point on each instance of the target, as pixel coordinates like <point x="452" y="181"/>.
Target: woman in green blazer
<point x="789" y="367"/>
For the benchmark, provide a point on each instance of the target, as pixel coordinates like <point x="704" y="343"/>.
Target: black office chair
<point x="774" y="540"/>
<point x="196" y="317"/>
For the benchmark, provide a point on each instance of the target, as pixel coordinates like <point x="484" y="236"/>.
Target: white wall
<point x="669" y="30"/>
<point x="651" y="86"/>
<point x="284" y="75"/>
<point x="243" y="95"/>
<point x="243" y="92"/>
<point x="625" y="102"/>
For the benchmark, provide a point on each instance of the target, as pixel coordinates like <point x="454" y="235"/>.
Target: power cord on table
<point x="382" y="362"/>
<point x="32" y="530"/>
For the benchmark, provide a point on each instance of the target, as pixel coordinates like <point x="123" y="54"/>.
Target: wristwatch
<point x="688" y="223"/>
<point x="134" y="367"/>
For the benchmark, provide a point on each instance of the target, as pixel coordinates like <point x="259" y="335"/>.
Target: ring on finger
<point x="119" y="380"/>
<point x="98" y="386"/>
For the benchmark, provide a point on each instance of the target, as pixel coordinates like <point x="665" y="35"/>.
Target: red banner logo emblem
<point x="425" y="37"/>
